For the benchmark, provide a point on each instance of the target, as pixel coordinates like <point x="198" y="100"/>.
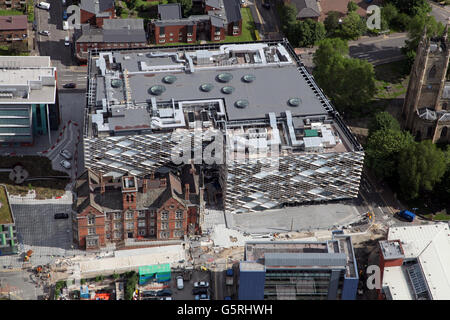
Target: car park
<point x="70" y="85"/>
<point x="61" y="215"/>
<point x="201" y="284"/>
<point x="66" y="154"/>
<point x="44" y="33"/>
<point x="65" y="164"/>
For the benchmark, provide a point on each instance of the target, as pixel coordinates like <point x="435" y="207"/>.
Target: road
<point x="441" y="13"/>
<point x="266" y="20"/>
<point x="53" y="45"/>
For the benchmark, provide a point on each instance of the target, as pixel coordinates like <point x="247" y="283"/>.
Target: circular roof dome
<point x="157" y="90"/>
<point x="241" y="103"/>
<point x="116" y="83"/>
<point x="227" y="90"/>
<point x="249" y="78"/>
<point x="294" y="102"/>
<point x="206" y="87"/>
<point x="169" y="79"/>
<point x="225" y="77"/>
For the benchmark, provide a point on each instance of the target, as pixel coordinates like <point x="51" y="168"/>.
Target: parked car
<point x="61" y="215"/>
<point x="66" y="154"/>
<point x="166" y="298"/>
<point x="148" y="294"/>
<point x="65" y="164"/>
<point x="65" y="15"/>
<point x="63" y="2"/>
<point x="180" y="283"/>
<point x="199" y="291"/>
<point x="44" y="33"/>
<point x="65" y="25"/>
<point x="70" y="85"/>
<point x="67" y="41"/>
<point x="202" y="297"/>
<point x="201" y="284"/>
<point x="43" y="5"/>
<point x="164" y="293"/>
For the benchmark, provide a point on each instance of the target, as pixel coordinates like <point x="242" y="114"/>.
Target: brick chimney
<point x="144" y="186"/>
<point x="163" y="182"/>
<point x="186" y="192"/>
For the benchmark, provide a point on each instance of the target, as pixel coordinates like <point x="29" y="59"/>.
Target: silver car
<point x="65" y="164"/>
<point x="44" y="33"/>
<point x="66" y="154"/>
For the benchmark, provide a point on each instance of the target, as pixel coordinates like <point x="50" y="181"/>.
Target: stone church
<point x="426" y="108"/>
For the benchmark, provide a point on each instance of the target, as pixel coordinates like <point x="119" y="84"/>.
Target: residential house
<point x="115" y="33"/>
<point x="14" y="31"/>
<point x="221" y="18"/>
<point x="95" y="12"/>
<point x="306" y="9"/>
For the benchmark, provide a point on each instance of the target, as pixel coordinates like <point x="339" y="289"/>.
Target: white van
<point x="180" y="283"/>
<point x="65" y="25"/>
<point x="44" y="5"/>
<point x="66" y="41"/>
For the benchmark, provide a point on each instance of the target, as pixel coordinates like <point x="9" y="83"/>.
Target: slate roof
<point x="169" y="11"/>
<point x="306" y="8"/>
<point x="114" y="31"/>
<point x="92" y="6"/>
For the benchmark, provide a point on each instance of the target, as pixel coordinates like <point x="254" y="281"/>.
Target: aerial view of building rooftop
<point x="415" y="262"/>
<point x="315" y="270"/>
<point x="27" y="87"/>
<point x="8" y="236"/>
<point x="258" y="95"/>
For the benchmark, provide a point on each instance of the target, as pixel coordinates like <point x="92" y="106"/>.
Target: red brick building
<point x="112" y="209"/>
<point x="95" y="12"/>
<point x="13" y="29"/>
<point x="221" y="18"/>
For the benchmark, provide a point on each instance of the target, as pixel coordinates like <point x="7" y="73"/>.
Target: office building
<point x="297" y="270"/>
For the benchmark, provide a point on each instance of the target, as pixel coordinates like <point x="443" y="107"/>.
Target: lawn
<point x="5" y="213"/>
<point x="391" y="80"/>
<point x="10" y="13"/>
<point x="37" y="167"/>
<point x="248" y="28"/>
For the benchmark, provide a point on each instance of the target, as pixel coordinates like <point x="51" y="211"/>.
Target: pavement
<point x="20" y="286"/>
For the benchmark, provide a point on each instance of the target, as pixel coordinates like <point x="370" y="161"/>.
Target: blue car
<point x="65" y="15"/>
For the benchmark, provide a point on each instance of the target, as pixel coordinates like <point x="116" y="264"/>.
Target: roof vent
<point x="227" y="90"/>
<point x="116" y="83"/>
<point x="225" y="77"/>
<point x="157" y="90"/>
<point x="241" y="103"/>
<point x="248" y="78"/>
<point x="169" y="79"/>
<point x="294" y="102"/>
<point x="206" y="87"/>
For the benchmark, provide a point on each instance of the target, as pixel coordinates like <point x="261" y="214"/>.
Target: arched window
<point x="132" y="198"/>
<point x="128" y="198"/>
<point x="444" y="132"/>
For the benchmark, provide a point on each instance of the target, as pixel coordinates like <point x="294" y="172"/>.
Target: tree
<point x="186" y="5"/>
<point x="383" y="149"/>
<point x="412" y="7"/>
<point x="350" y="83"/>
<point x="351" y="7"/>
<point x="383" y="121"/>
<point x="417" y="26"/>
<point x="389" y="12"/>
<point x="306" y="33"/>
<point x="331" y="23"/>
<point x="420" y="168"/>
<point x="352" y="26"/>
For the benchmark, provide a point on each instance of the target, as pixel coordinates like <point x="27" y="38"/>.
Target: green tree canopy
<point x="349" y="83"/>
<point x="383" y="150"/>
<point x="420" y="168"/>
<point x="306" y="33"/>
<point x="411" y="7"/>
<point x="352" y="6"/>
<point x="383" y="121"/>
<point x="331" y="23"/>
<point x="352" y="26"/>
